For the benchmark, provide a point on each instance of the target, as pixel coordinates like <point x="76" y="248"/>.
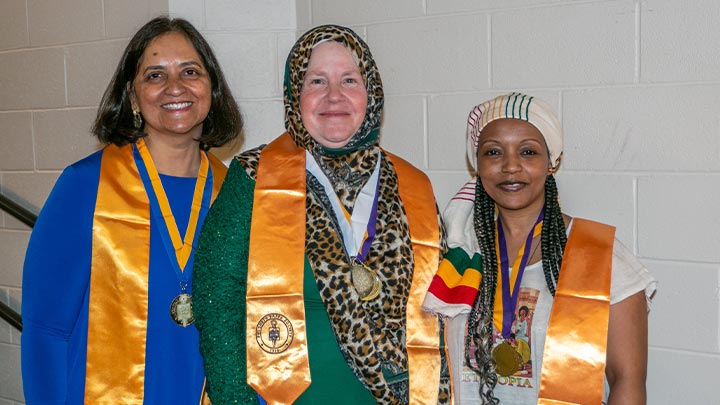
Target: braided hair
<point x="480" y="320"/>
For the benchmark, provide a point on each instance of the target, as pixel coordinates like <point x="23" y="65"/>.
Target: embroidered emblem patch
<point x="274" y="333"/>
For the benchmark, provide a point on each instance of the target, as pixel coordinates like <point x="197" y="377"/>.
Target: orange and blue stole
<point x="118" y="297"/>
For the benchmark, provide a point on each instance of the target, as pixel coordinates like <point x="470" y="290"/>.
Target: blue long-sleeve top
<point x="56" y="282"/>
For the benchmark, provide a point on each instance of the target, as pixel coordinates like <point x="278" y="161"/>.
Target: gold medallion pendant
<point x="507" y="360"/>
<point x="181" y="310"/>
<point x="367" y="282"/>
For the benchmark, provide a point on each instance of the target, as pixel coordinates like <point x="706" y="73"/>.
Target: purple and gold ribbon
<point x="509" y="284"/>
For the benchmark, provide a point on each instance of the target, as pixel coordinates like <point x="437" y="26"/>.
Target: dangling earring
<point x="554" y="168"/>
<point x="137" y="119"/>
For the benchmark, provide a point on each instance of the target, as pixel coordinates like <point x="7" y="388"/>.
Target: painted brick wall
<point x="251" y="39"/>
<point x="635" y="83"/>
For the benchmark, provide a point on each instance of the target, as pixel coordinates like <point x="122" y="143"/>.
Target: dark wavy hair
<point x="114" y="121"/>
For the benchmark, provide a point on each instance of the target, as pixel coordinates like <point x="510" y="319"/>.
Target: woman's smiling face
<point x="333" y="98"/>
<point x="172" y="89"/>
<point x="513" y="164"/>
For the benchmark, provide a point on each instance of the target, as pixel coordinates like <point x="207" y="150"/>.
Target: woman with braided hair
<point x="511" y="249"/>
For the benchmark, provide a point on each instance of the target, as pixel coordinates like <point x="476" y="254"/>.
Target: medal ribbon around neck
<point x="176" y="248"/>
<point x="509" y="284"/>
<point x="358" y="229"/>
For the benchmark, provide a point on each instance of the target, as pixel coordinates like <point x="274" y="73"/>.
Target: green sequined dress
<point x="219" y="283"/>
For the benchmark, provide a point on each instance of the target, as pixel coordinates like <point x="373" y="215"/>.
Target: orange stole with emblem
<point x="275" y="277"/>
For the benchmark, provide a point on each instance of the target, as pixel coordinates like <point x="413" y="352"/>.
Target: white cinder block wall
<point x="635" y="83"/>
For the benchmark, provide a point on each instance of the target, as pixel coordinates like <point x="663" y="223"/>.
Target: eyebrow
<point x="496" y="141"/>
<point x="182" y="65"/>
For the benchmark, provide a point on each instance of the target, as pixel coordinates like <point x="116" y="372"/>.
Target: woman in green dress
<point x="314" y="260"/>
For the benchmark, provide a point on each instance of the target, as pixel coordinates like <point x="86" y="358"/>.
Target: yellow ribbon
<point x="573" y="369"/>
<point x="275" y="278"/>
<point x="182" y="247"/>
<point x="118" y="302"/>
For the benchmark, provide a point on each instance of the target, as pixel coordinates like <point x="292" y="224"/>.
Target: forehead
<point x="331" y="52"/>
<point x="169" y="46"/>
<point x="510" y="128"/>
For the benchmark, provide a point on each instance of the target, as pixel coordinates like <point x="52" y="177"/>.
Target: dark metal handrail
<point x="17" y="211"/>
<point x="12" y="317"/>
<point x="28" y="218"/>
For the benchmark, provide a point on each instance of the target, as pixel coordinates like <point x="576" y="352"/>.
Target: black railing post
<point x="17" y="211"/>
<point x="12" y="317"/>
<point x="28" y="218"/>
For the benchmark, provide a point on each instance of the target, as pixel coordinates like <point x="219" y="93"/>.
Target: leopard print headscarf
<point x="295" y="68"/>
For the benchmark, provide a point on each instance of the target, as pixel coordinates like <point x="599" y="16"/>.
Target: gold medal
<point x="181" y="310"/>
<point x="366" y="282"/>
<point x="507" y="360"/>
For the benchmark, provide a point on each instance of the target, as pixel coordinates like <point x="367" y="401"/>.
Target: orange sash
<point x="573" y="369"/>
<point x="423" y="334"/>
<point x="118" y="302"/>
<point x="277" y="357"/>
<point x="279" y="369"/>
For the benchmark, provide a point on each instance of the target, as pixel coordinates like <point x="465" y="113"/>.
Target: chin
<point x="511" y="203"/>
<point x="518" y="205"/>
<point x="333" y="142"/>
